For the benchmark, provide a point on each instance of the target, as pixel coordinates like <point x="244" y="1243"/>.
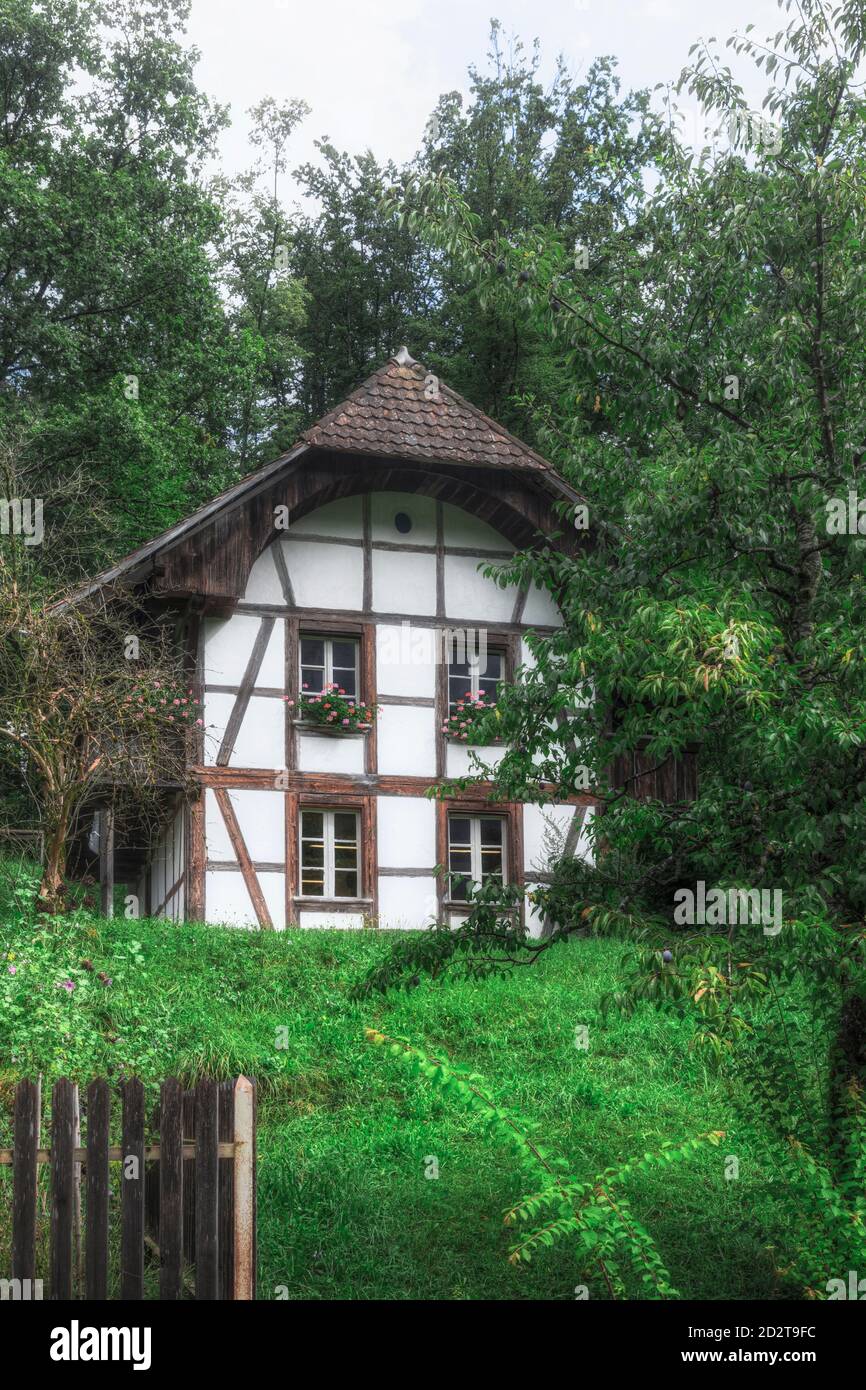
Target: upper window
<point x="329" y="854"/>
<point x="329" y="661"/>
<point x="476" y="851"/>
<point x="476" y="678"/>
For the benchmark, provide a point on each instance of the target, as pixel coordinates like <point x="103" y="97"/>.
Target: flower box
<point x="471" y="721"/>
<point x="331" y="711"/>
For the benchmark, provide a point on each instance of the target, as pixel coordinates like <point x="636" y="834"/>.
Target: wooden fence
<point x="187" y="1202"/>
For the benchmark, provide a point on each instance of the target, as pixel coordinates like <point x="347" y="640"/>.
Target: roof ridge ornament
<point x="403" y="357"/>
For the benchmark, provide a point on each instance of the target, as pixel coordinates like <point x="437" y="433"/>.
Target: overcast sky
<point x="372" y="70"/>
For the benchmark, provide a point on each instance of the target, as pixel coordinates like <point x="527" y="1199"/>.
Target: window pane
<point x="492" y="669"/>
<point x="312" y="883"/>
<point x="491" y="832"/>
<point x="345" y="826"/>
<point x="459" y="830"/>
<point x="459" y="890"/>
<point x="489" y="689"/>
<point x="459" y="669"/>
<point x="345" y="856"/>
<point x="312" y="824"/>
<point x="460" y="861"/>
<point x="345" y="679"/>
<point x="313" y="677"/>
<point x="346" y="883"/>
<point x="312" y="651"/>
<point x="345" y="654"/>
<point x="313" y="854"/>
<point x="491" y="862"/>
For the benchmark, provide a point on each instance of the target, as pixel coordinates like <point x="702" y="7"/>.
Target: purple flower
<point x="13" y="969"/>
<point x="68" y="985"/>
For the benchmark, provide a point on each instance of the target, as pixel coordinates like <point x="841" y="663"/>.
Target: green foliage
<point x="595" y="1213"/>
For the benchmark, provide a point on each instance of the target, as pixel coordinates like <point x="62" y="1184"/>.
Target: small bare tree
<point x="93" y="697"/>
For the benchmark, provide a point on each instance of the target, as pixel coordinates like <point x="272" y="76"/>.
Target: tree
<point x="267" y="304"/>
<point x="94" y="705"/>
<point x="113" y="337"/>
<point x="520" y="155"/>
<point x="715" y="350"/>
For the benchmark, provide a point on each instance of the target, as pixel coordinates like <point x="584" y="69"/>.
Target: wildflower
<point x="68" y="985"/>
<point x="13" y="969"/>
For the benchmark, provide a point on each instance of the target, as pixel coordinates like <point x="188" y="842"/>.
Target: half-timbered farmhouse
<point x="353" y="566"/>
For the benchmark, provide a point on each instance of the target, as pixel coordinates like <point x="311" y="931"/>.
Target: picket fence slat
<point x="132" y="1193"/>
<point x="171" y="1190"/>
<point x="206" y="1191"/>
<point x="225" y="1242"/>
<point x="62" y="1196"/>
<point x="189" y="1167"/>
<point x="24" y="1180"/>
<point x="187" y="1199"/>
<point x="96" y="1247"/>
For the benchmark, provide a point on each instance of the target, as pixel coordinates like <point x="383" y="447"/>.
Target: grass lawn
<point x="345" y="1209"/>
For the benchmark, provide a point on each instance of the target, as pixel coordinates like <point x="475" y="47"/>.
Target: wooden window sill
<point x="334" y="904"/>
<point x="309" y="726"/>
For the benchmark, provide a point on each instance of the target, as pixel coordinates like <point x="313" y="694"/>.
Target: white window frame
<point x="328" y="890"/>
<point x="474" y="676"/>
<point x="475" y="820"/>
<point x="329" y="641"/>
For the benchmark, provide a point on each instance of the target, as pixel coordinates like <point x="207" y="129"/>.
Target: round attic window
<point x="403" y="523"/>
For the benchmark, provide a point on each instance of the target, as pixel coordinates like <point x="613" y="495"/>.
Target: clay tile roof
<point x="404" y="411"/>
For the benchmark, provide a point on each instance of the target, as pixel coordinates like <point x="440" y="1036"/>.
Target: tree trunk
<point x="51" y="897"/>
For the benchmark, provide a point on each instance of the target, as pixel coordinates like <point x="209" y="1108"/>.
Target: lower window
<point x="329" y="854"/>
<point x="476" y="852"/>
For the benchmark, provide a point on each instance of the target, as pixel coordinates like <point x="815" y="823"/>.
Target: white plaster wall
<point x="463" y="529"/>
<point x="273" y="888"/>
<point x="342" y="920"/>
<point x="534" y="918"/>
<point x="404" y="583"/>
<point x="583" y="849"/>
<point x="472" y="597"/>
<point x="544" y="827"/>
<point x="406" y="741"/>
<point x="263" y="585"/>
<point x="527" y="656"/>
<point x="218" y="844"/>
<point x="261" y="740"/>
<point x="325" y="753"/>
<point x="406" y="660"/>
<point x="457" y="758"/>
<point x="228" y="903"/>
<point x="406" y="828"/>
<point x="343" y="518"/>
<point x="407" y="903"/>
<point x="541" y="609"/>
<point x="228" y="645"/>
<point x="260" y="815"/>
<point x="324" y="576"/>
<point x="421" y="511"/>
